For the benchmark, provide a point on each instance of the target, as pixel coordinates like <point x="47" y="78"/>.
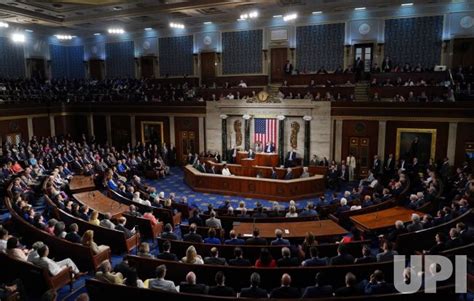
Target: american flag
<point x="265" y="130"/>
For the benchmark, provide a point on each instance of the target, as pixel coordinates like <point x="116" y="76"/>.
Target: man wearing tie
<point x="288" y="68"/>
<point x="351" y="166"/>
<point x="290" y="158"/>
<point x="376" y="165"/>
<point x="270" y="147"/>
<point x="389" y="166"/>
<point x="289" y="174"/>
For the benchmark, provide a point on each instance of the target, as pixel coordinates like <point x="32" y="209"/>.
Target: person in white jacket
<point x="351" y="164"/>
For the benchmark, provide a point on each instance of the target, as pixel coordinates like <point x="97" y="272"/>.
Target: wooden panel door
<point x="96" y="69"/>
<point x="37" y="68"/>
<point x="278" y="60"/>
<point x="186" y="144"/>
<point x="208" y="65"/>
<point x="147" y="64"/>
<point x="463" y="50"/>
<point x="359" y="146"/>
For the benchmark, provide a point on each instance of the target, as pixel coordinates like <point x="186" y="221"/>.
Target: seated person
<point x="279" y="241"/>
<point x="159" y="282"/>
<point x="106" y="274"/>
<point x="190" y="285"/>
<point x="214" y="258"/>
<point x="212" y="239"/>
<point x="226" y="171"/>
<point x="233" y="239"/>
<point x="320" y="288"/>
<point x="239" y="260"/>
<point x="315" y="260"/>
<point x="88" y="240"/>
<point x="54" y="267"/>
<point x="166" y="254"/>
<point x="254" y="291"/>
<point x="286" y="260"/>
<point x="220" y="289"/>
<point x="144" y="250"/>
<point x="285" y="291"/>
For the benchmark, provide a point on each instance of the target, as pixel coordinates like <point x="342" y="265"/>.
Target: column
<point x="246" y="118"/>
<point x="281" y="138"/>
<point x="133" y="131"/>
<point x="338" y="141"/>
<point x="452" y="135"/>
<point x="172" y="134"/>
<point x="224" y="136"/>
<point x="90" y="125"/>
<point x="381" y="139"/>
<point x="202" y="146"/>
<point x="307" y="139"/>
<point x="52" y="126"/>
<point x="29" y="121"/>
<point x="108" y="129"/>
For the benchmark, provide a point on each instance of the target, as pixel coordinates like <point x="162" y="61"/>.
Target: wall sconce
<point x="265" y="51"/>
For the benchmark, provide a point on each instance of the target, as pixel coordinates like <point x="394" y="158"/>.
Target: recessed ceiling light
<point x="290" y="17"/>
<point x="317" y="12"/>
<point x="207" y="23"/>
<point x="359" y="8"/>
<point x="176" y="25"/>
<point x="97" y="34"/>
<point x="148" y="29"/>
<point x="18" y="38"/>
<point x="278" y="16"/>
<point x="4" y="25"/>
<point x="240" y="20"/>
<point x="407" y="4"/>
<point x="28" y="30"/>
<point x="116" y="31"/>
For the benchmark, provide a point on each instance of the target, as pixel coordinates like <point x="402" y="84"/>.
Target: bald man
<point x="285" y="291"/>
<point x="190" y="285"/>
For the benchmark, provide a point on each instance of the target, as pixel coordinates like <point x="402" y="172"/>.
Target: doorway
<point x="96" y="69"/>
<point x="187" y="144"/>
<point x="462" y="52"/>
<point x="359" y="147"/>
<point x="278" y="60"/>
<point x="208" y="66"/>
<point x="13" y="138"/>
<point x="147" y="64"/>
<point x="365" y="53"/>
<point x="37" y="68"/>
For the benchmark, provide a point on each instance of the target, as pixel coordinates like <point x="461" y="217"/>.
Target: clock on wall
<point x="207" y="40"/>
<point x="146" y="45"/>
<point x="364" y="28"/>
<point x="466" y="22"/>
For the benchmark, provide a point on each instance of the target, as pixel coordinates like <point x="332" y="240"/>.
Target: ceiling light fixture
<point x="407" y="4"/>
<point x="359" y="8"/>
<point x="317" y="12"/>
<point x="148" y="29"/>
<point x="116" y="31"/>
<point x="176" y="25"/>
<point x="28" y="30"/>
<point x="207" y="22"/>
<point x="250" y="15"/>
<point x="278" y="16"/>
<point x="63" y="37"/>
<point x="97" y="34"/>
<point x="4" y="24"/>
<point x="18" y="38"/>
<point x="290" y="17"/>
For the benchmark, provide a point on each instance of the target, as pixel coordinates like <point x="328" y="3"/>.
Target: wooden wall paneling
<point x="121" y="132"/>
<point x="442" y="129"/>
<point x="208" y="66"/>
<point x="73" y="125"/>
<point x="14" y="126"/>
<point x="100" y="128"/>
<point x="147" y="64"/>
<point x="184" y="127"/>
<point x="465" y="133"/>
<point x="278" y="60"/>
<point x="41" y="127"/>
<point x="360" y="129"/>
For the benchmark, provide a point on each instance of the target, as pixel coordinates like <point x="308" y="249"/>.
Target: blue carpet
<point x="175" y="183"/>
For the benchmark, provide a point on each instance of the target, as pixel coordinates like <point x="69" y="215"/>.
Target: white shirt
<point x="226" y="172"/>
<point x="354" y="207"/>
<point x="351" y="161"/>
<point x="3" y="245"/>
<point x="243" y="85"/>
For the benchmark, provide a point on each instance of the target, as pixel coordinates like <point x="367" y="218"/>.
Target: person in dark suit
<point x="192" y="236"/>
<point x="122" y="221"/>
<point x="454" y="240"/>
<point x="343" y="257"/>
<point x="279" y="241"/>
<point x="168" y="232"/>
<point x="285" y="291"/>
<point x="214" y="258"/>
<point x="288" y="68"/>
<point x="359" y="68"/>
<point x="388" y="252"/>
<point x="290" y="159"/>
<point x="73" y="236"/>
<point x="319" y="289"/>
<point x="315" y="260"/>
<point x="274" y="174"/>
<point x="196" y="219"/>
<point x="256" y="240"/>
<point x="166" y="254"/>
<point x="343" y="208"/>
<point x="233" y="239"/>
<point x="233" y="154"/>
<point x="467" y="235"/>
<point x="190" y="285"/>
<point x="251" y="154"/>
<point x="377" y="284"/>
<point x="350" y="289"/>
<point x="239" y="260"/>
<point x="377" y="165"/>
<point x="254" y="291"/>
<point x="387" y="64"/>
<point x="439" y="246"/>
<point x="286" y="260"/>
<point x="221" y="289"/>
<point x="269" y="147"/>
<point x="366" y="256"/>
<point x="389" y="167"/>
<point x="289" y="174"/>
<point x="259" y="213"/>
<point x="399" y="229"/>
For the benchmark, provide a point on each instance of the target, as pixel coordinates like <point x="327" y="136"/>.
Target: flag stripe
<point x="265" y="130"/>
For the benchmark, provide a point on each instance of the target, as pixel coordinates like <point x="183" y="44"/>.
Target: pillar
<point x="90" y="125"/>
<point x="338" y="141"/>
<point x="108" y="129"/>
<point x="246" y="118"/>
<point x="281" y="138"/>
<point x="133" y="131"/>
<point x="52" y="125"/>
<point x="202" y="146"/>
<point x="30" y="127"/>
<point x="452" y="134"/>
<point x="172" y="133"/>
<point x="224" y="136"/>
<point x="381" y="139"/>
<point x="307" y="139"/>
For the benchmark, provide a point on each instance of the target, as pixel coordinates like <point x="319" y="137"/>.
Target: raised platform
<point x="279" y="190"/>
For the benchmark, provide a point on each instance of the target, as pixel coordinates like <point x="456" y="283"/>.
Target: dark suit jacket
<point x="280" y="242"/>
<point x="347" y="292"/>
<point x="253" y="292"/>
<point x="127" y="232"/>
<point x="197" y="288"/>
<point x="169" y="235"/>
<point x="288" y="262"/>
<point x="167" y="256"/>
<point x="318" y="291"/>
<point x="368" y="259"/>
<point x="223" y="291"/>
<point x="256" y="241"/>
<point x="235" y="241"/>
<point x="342" y="259"/>
<point x="241" y="262"/>
<point x="73" y="237"/>
<point x="379" y="288"/>
<point x="215" y="260"/>
<point x="285" y="292"/>
<point x="192" y="237"/>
